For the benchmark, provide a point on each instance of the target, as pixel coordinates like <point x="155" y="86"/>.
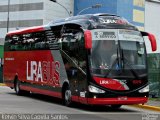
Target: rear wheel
<point x="67" y="96"/>
<point x="17" y="87"/>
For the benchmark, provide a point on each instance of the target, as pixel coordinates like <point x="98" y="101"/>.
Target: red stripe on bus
<point x="75" y="98"/>
<point x="41" y="91"/>
<point x="110" y="83"/>
<point x="79" y="99"/>
<point x="26" y="30"/>
<point x="83" y="100"/>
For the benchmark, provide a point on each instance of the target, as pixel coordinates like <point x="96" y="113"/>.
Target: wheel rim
<point x="67" y="96"/>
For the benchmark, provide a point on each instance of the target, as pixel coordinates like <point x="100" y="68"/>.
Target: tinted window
<point x="30" y="41"/>
<point x="73" y="46"/>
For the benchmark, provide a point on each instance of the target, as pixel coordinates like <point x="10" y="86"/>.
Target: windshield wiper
<point x="121" y="61"/>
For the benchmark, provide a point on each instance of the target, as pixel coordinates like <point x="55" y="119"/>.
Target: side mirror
<point x="88" y="39"/>
<point x="152" y="39"/>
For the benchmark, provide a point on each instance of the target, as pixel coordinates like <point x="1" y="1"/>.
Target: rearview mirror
<point x="152" y="39"/>
<point x="88" y="39"/>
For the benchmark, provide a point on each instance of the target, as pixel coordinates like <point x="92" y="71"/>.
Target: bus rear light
<point x="88" y="39"/>
<point x="144" y="90"/>
<point x="94" y="89"/>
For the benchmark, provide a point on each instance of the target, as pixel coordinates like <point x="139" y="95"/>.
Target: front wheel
<point x="67" y="97"/>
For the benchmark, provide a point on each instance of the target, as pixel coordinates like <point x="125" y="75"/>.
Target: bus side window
<point x="7" y="45"/>
<point x="34" y="41"/>
<point x="14" y="42"/>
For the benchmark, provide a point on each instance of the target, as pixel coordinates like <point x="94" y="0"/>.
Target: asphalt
<point x="150" y="105"/>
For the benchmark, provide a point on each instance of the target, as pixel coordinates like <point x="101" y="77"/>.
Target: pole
<point x="64" y="8"/>
<point x="69" y="12"/>
<point x="93" y="6"/>
<point x="84" y="10"/>
<point x="8" y="16"/>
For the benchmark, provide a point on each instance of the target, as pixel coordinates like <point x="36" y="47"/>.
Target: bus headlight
<point x="145" y="89"/>
<point x="94" y="89"/>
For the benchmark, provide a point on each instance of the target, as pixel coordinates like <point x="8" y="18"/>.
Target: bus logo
<point x="45" y="72"/>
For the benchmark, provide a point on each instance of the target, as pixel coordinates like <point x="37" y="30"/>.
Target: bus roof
<point x="99" y="20"/>
<point x="87" y="21"/>
<point x="26" y="30"/>
<point x="78" y="17"/>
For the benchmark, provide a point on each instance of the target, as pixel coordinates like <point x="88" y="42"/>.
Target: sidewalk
<point x="150" y="105"/>
<point x="153" y="103"/>
<point x="2" y="84"/>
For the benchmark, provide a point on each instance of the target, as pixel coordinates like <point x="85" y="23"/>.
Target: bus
<point x="93" y="59"/>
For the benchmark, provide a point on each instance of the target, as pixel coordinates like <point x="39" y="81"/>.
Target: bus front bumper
<point x="117" y="101"/>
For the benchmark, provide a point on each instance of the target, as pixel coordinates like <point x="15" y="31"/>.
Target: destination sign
<point x="104" y="34"/>
<point x="116" y="34"/>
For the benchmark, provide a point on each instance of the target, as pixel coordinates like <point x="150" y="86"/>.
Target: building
<point x="152" y="19"/>
<point x="27" y="13"/>
<point x="132" y="10"/>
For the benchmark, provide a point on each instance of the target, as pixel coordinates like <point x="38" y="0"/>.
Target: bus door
<point x="81" y="75"/>
<point x="74" y="58"/>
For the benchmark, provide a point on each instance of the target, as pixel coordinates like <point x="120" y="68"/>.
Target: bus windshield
<point x="117" y="57"/>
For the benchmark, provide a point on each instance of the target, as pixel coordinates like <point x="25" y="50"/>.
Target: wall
<point x="132" y="10"/>
<point x="53" y="11"/>
<point x="27" y="13"/>
<point x="108" y="6"/>
<point x="23" y="13"/>
<point x="152" y="25"/>
<point x="152" y="22"/>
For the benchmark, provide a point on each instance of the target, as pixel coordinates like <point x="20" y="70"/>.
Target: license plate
<point x="122" y="98"/>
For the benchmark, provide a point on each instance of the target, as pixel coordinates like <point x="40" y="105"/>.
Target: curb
<point x="153" y="108"/>
<point x="2" y="84"/>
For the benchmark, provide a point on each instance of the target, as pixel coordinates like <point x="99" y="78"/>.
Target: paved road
<point x="39" y="104"/>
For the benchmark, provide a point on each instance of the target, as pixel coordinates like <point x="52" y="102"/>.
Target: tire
<point x="115" y="106"/>
<point x="17" y="88"/>
<point x="67" y="97"/>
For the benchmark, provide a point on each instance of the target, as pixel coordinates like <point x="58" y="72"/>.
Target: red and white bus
<point x="95" y="59"/>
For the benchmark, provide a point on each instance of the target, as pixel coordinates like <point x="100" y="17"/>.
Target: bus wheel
<point x="17" y="87"/>
<point x="67" y="97"/>
<point x="116" y="106"/>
